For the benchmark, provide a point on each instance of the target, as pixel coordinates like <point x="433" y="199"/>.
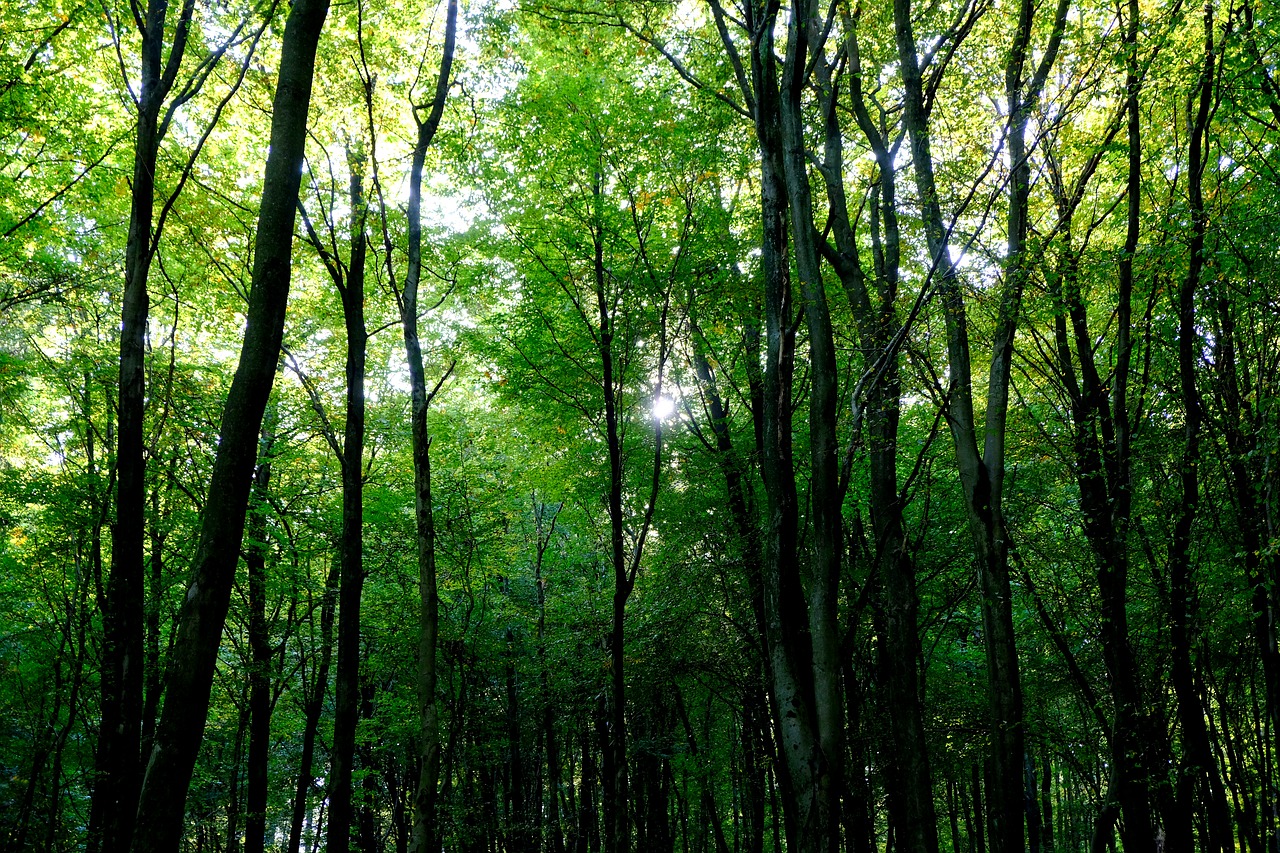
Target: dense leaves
<point x="851" y="426"/>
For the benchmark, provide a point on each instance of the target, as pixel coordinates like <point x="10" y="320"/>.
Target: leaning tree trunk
<point x="161" y="806"/>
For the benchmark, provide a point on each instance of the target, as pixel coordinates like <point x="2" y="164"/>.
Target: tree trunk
<point x="1046" y="800"/>
<point x="809" y="792"/>
<point x="1100" y="423"/>
<point x="981" y="471"/>
<point x="1128" y="749"/>
<point x="1200" y="781"/>
<point x="255" y="820"/>
<point x="312" y="709"/>
<point x="233" y="785"/>
<point x="825" y="536"/>
<point x="880" y="334"/>
<point x="588" y="816"/>
<point x="617" y="807"/>
<point x="154" y="604"/>
<point x="118" y="770"/>
<point x="519" y="837"/>
<point x="424" y="837"/>
<point x="204" y="609"/>
<point x="977" y="828"/>
<point x="544" y="528"/>
<point x="346" y="712"/>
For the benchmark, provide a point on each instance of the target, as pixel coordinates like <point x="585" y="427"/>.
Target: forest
<point x="639" y="426"/>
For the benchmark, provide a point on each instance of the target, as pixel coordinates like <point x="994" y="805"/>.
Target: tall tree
<point x="118" y="773"/>
<point x="801" y="638"/>
<point x="161" y="806"/>
<point x="256" y="551"/>
<point x="881" y="334"/>
<point x="425" y="827"/>
<point x="1199" y="782"/>
<point x="349" y="279"/>
<point x="981" y="469"/>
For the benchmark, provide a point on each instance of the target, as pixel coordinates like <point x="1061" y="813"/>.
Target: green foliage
<point x="585" y="195"/>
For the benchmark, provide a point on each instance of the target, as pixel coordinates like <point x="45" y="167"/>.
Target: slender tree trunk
<point x="204" y="609"/>
<point x="424" y="837"/>
<point x="799" y="635"/>
<point x="312" y="709"/>
<point x="1101" y="429"/>
<point x="1130" y="761"/>
<point x="617" y="802"/>
<point x="742" y="509"/>
<point x="367" y="835"/>
<point x="617" y="806"/>
<point x="1046" y="800"/>
<point x="154" y="604"/>
<point x="520" y="838"/>
<point x="544" y="529"/>
<point x="978" y="828"/>
<point x="755" y="766"/>
<point x="880" y="332"/>
<point x="1200" y="779"/>
<point x="346" y="714"/>
<point x="118" y="770"/>
<point x="233" y="786"/>
<point x="808" y="791"/>
<point x="588" y="832"/>
<point x="981" y="471"/>
<point x="255" y="823"/>
<point x="53" y="822"/>
<point x="826" y="536"/>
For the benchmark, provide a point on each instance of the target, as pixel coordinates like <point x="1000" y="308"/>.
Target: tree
<point x="425" y="830"/>
<point x="607" y="256"/>
<point x="118" y="771"/>
<point x="349" y="280"/>
<point x="190" y="675"/>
